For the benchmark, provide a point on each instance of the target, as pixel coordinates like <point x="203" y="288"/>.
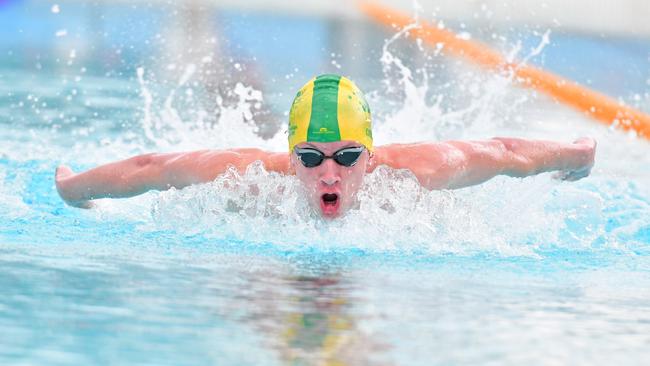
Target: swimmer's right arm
<point x="139" y="174"/>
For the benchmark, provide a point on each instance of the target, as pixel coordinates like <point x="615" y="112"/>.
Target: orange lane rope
<point x="599" y="106"/>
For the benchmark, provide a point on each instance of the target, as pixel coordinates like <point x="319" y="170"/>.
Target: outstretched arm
<point x="143" y="173"/>
<point x="458" y="164"/>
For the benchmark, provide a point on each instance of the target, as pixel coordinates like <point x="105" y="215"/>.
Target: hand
<point x="584" y="152"/>
<point x="62" y="179"/>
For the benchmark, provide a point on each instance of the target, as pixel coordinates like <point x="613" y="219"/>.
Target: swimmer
<point x="330" y="151"/>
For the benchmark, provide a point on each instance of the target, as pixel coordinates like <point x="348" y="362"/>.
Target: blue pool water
<point x="515" y="271"/>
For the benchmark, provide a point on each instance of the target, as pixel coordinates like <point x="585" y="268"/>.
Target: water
<point x="514" y="271"/>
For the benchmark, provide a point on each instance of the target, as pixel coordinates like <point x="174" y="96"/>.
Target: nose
<point x="329" y="173"/>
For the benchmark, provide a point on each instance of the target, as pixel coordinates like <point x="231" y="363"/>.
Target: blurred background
<point x="275" y="46"/>
<point x="515" y="271"/>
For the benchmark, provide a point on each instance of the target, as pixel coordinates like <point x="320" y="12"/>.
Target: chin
<point x="329" y="216"/>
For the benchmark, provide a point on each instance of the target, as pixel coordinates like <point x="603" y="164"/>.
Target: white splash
<point x="503" y="217"/>
<point x="234" y="127"/>
<point x="11" y="204"/>
<point x="394" y="214"/>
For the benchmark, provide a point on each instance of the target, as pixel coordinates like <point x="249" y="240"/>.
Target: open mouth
<point x="329" y="204"/>
<point x="330" y="199"/>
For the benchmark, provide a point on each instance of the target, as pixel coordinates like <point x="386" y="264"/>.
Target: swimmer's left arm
<point x="458" y="164"/>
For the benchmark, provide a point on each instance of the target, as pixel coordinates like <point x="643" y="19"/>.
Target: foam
<point x="504" y="217"/>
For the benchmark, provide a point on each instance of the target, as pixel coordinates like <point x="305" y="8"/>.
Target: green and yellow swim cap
<point x="330" y="108"/>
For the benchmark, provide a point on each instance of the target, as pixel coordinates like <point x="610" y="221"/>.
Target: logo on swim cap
<point x="330" y="108"/>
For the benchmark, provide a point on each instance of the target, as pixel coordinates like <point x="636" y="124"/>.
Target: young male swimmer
<point x="330" y="152"/>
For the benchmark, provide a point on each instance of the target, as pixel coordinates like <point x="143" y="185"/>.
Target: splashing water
<point x="394" y="214"/>
<point x="242" y="271"/>
<point x="505" y="217"/>
<point x="234" y="126"/>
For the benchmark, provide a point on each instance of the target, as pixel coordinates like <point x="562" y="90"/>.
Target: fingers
<point x="62" y="186"/>
<point x="587" y="152"/>
<point x="586" y="141"/>
<point x="584" y="158"/>
<point x="62" y="172"/>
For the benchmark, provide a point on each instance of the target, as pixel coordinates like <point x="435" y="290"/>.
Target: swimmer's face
<point x="331" y="187"/>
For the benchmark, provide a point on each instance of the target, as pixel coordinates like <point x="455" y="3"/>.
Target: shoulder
<point x="220" y="160"/>
<point x="406" y="155"/>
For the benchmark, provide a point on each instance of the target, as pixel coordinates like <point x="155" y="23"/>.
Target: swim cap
<point x="330" y="108"/>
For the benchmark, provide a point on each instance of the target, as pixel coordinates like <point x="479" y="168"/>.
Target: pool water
<point x="515" y="271"/>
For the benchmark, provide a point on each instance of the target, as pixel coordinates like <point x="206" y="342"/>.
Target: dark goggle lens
<point x="348" y="157"/>
<point x="310" y="158"/>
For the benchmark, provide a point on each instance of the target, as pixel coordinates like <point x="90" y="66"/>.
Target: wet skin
<point x="331" y="188"/>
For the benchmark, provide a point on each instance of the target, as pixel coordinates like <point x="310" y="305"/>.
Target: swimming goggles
<point x="312" y="158"/>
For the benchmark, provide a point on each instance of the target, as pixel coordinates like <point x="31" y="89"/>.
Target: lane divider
<point x="596" y="105"/>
